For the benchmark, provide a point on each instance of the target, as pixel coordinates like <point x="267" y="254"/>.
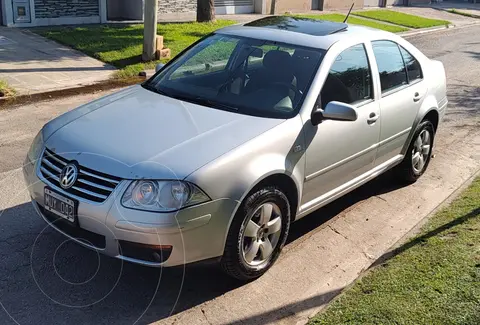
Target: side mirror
<point x="159" y="66"/>
<point x="336" y="111"/>
<point x="256" y="53"/>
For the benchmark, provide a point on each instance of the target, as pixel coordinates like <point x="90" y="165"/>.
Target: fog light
<point x="145" y="252"/>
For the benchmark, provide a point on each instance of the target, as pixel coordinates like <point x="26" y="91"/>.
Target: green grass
<point x="432" y="279"/>
<point x="121" y="45"/>
<point x="466" y="14"/>
<point x="6" y="90"/>
<point x="357" y="21"/>
<point x="400" y="18"/>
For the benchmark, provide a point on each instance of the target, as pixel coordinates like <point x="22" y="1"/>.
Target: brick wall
<point x="66" y="8"/>
<point x="173" y="6"/>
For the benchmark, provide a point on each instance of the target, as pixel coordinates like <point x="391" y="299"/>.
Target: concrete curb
<point x="425" y="30"/>
<point x="7" y="102"/>
<point x="435" y="29"/>
<point x="409" y="235"/>
<point x="417" y="228"/>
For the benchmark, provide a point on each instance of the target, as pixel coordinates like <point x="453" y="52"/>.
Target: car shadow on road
<point x="383" y="184"/>
<point x="42" y="274"/>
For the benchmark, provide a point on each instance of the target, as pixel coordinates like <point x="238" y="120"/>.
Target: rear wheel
<point x="418" y="154"/>
<point x="257" y="234"/>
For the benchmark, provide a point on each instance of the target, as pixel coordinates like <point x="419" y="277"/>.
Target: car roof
<point x="302" y="31"/>
<point x="299" y="25"/>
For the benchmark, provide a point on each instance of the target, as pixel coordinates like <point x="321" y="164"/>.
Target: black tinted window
<point x="413" y="67"/>
<point x="349" y="80"/>
<point x="390" y="65"/>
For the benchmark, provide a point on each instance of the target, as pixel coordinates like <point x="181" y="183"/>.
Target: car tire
<point x="418" y="154"/>
<point x="253" y="245"/>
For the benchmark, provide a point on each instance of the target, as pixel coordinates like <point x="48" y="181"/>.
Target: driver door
<point x="339" y="151"/>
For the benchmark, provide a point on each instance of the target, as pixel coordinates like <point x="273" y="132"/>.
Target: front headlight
<point x="36" y="147"/>
<point x="162" y="196"/>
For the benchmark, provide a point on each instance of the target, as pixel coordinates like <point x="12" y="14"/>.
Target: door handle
<point x="372" y="118"/>
<point x="417" y="97"/>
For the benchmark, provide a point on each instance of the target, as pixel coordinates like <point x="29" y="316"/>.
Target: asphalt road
<point x="44" y="278"/>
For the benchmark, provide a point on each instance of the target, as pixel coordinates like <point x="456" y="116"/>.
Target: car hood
<point x="137" y="133"/>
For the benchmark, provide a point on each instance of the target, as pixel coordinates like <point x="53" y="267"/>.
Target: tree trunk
<point x="205" y="11"/>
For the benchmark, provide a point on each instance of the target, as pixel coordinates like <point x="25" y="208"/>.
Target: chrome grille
<point x="90" y="184"/>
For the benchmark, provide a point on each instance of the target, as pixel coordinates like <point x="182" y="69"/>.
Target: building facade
<point x="27" y="13"/>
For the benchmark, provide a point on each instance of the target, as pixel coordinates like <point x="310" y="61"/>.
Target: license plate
<point x="59" y="205"/>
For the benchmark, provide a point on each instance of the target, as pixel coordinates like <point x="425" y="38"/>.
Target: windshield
<point x="248" y="76"/>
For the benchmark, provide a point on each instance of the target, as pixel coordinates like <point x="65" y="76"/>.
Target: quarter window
<point x="349" y="80"/>
<point x="414" y="69"/>
<point x="390" y="65"/>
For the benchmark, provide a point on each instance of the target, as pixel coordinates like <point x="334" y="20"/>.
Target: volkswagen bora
<point x="249" y="129"/>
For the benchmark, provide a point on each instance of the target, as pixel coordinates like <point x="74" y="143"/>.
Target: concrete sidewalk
<point x="440" y="11"/>
<point x="33" y="64"/>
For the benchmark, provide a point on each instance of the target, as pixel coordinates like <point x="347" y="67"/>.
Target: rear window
<point x="414" y="69"/>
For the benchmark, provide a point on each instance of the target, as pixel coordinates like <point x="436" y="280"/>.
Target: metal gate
<point x="224" y="7"/>
<point x="21" y="11"/>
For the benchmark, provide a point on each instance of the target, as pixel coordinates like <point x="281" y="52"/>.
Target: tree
<point x="205" y="11"/>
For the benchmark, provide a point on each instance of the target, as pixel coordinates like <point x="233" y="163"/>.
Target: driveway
<point x="44" y="278"/>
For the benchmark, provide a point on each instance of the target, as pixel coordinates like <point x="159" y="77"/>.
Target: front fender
<point x="276" y="151"/>
<point x="236" y="173"/>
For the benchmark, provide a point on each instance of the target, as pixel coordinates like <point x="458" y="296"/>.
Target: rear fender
<point x="429" y="104"/>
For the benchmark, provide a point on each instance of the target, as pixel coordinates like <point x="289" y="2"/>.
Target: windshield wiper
<point x="194" y="100"/>
<point x="155" y="89"/>
<point x="204" y="102"/>
<point x="211" y="103"/>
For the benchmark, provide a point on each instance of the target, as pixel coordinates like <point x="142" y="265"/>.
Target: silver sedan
<point x="249" y="129"/>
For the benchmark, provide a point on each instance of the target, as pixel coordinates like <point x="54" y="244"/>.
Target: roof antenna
<point x="349" y="12"/>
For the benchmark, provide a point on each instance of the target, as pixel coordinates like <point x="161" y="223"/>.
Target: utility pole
<point x="150" y="29"/>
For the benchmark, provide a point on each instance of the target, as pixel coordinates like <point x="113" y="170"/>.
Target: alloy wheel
<point x="261" y="234"/>
<point x="421" y="150"/>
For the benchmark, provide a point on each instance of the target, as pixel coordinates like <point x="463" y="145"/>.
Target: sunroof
<point x="300" y="25"/>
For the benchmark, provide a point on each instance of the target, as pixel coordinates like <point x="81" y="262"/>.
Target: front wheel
<point x="418" y="154"/>
<point x="257" y="234"/>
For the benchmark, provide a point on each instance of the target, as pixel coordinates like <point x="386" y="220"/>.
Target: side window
<point x="349" y="80"/>
<point x="390" y="65"/>
<point x="414" y="69"/>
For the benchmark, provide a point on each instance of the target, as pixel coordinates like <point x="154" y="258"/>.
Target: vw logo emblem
<point x="68" y="176"/>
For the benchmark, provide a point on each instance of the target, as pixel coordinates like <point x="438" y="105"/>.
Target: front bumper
<point x="189" y="235"/>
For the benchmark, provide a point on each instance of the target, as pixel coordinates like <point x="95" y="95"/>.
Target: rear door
<point x="402" y="92"/>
